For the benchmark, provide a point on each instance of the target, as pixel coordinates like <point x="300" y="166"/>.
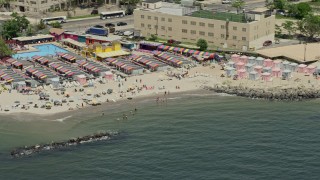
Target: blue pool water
<point x="43" y="50"/>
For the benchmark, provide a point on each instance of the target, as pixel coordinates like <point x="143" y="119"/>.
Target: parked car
<point x="128" y="33"/>
<point x="172" y="41"/>
<point x="98" y="26"/>
<point x="281" y="12"/>
<point x="110" y="25"/>
<point x="121" y="33"/>
<point x="226" y="1"/>
<point x="94" y="11"/>
<point x="122" y="24"/>
<point x="267" y="43"/>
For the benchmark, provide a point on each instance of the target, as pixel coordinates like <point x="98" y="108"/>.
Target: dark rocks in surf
<point x="276" y="93"/>
<point x="29" y="150"/>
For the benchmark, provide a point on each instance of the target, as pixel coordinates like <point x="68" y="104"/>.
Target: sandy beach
<point x="155" y="84"/>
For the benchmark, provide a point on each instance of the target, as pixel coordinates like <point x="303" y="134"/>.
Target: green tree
<point x="290" y="27"/>
<point x="41" y="25"/>
<point x="238" y="4"/>
<point x="21" y="20"/>
<point x="303" y="10"/>
<point x="56" y="25"/>
<point x="278" y="30"/>
<point x="10" y="29"/>
<point x="153" y="37"/>
<point x="15" y="26"/>
<point x="4" y="49"/>
<point x="202" y="44"/>
<point x="30" y="31"/>
<point x="309" y="26"/>
<point x="280" y="4"/>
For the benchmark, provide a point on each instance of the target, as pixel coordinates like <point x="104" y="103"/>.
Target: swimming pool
<point x="42" y="50"/>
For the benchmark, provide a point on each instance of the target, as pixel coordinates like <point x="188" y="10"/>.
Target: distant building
<point x="36" y="5"/>
<point x="244" y="31"/>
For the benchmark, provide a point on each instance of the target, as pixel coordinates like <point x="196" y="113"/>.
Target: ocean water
<point x="192" y="136"/>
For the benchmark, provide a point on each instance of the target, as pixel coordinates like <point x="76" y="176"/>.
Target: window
<point x="149" y="17"/>
<point x="163" y="28"/>
<point x="184" y="22"/>
<point x="193" y="23"/>
<point x="222" y="36"/>
<point x="169" y="20"/>
<point x="202" y="24"/>
<point x="210" y="34"/>
<point x="244" y="38"/>
<point x="33" y="2"/>
<point x="234" y="28"/>
<point x="43" y="2"/>
<point x="193" y="32"/>
<point x="156" y="26"/>
<point x="244" y="29"/>
<point x="142" y="16"/>
<point x="142" y="25"/>
<point x="184" y="31"/>
<point x="149" y="25"/>
<point x="170" y="28"/>
<point x="234" y="37"/>
<point x="211" y="42"/>
<point x="202" y="33"/>
<point x="156" y="18"/>
<point x="222" y="26"/>
<point x="184" y="38"/>
<point x="211" y="25"/>
<point x="163" y="19"/>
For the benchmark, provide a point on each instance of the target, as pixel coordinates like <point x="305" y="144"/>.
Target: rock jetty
<point x="276" y="93"/>
<point x="29" y="150"/>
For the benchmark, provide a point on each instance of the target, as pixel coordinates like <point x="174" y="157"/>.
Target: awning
<point x="191" y="51"/>
<point x="196" y="52"/>
<point x="176" y="49"/>
<point x="17" y="64"/>
<point x="186" y="50"/>
<point x="166" y="47"/>
<point x="43" y="61"/>
<point x="60" y="54"/>
<point x="11" y="60"/>
<point x="171" y="48"/>
<point x="54" y="65"/>
<point x="161" y="47"/>
<point x="30" y="70"/>
<point x="36" y="57"/>
<point x="81" y="63"/>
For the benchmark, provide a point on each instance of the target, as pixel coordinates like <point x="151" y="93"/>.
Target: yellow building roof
<point x="112" y="54"/>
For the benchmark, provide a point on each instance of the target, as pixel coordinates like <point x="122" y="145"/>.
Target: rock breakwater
<point x="29" y="150"/>
<point x="276" y="93"/>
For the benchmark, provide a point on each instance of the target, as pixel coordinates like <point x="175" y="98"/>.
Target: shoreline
<point x="152" y="85"/>
<point x="104" y="109"/>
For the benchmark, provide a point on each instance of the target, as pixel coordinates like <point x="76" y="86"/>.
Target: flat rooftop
<point x="168" y="8"/>
<point x="299" y="52"/>
<point x="224" y="16"/>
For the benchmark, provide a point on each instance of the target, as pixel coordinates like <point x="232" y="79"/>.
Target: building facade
<point x="36" y="5"/>
<point x="245" y="35"/>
